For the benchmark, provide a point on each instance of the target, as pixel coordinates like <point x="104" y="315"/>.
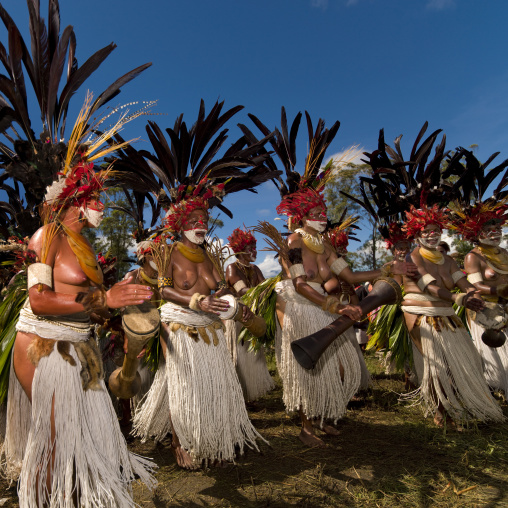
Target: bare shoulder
<point x="294" y="241"/>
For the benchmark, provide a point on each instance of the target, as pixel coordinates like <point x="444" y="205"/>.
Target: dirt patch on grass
<point x="387" y="455"/>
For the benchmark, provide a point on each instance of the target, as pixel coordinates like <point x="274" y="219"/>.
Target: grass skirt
<point x="494" y="360"/>
<point x="203" y="392"/>
<point x="320" y="392"/>
<point x="452" y="373"/>
<point x="250" y="365"/>
<point x="91" y="460"/>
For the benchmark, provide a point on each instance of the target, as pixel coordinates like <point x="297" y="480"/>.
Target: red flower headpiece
<point x="187" y="198"/>
<point x="417" y="219"/>
<point x="395" y="234"/>
<point x="74" y="189"/>
<point x="339" y="238"/>
<point x="240" y="240"/>
<point x="469" y="223"/>
<point x="299" y="203"/>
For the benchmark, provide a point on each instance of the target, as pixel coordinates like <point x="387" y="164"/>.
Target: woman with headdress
<point x="241" y="276"/>
<point x="197" y="395"/>
<point x="62" y="432"/>
<point x="480" y="221"/>
<point x="308" y="263"/>
<point x="452" y="385"/>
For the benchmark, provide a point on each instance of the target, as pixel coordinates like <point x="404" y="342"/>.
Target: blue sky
<point x="368" y="63"/>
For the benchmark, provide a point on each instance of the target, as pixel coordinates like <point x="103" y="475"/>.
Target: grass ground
<point x="387" y="455"/>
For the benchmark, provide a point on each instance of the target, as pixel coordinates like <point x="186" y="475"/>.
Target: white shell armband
<point x="459" y="300"/>
<point x="40" y="273"/>
<point x="297" y="271"/>
<point x="239" y="285"/>
<point x="338" y="265"/>
<point x="195" y="300"/>
<point x="425" y="281"/>
<point x="474" y="278"/>
<point x="456" y="276"/>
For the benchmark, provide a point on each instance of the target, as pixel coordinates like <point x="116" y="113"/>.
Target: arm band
<point x="425" y="281"/>
<point x="474" y="278"/>
<point x="297" y="271"/>
<point x="338" y="265"/>
<point x="239" y="285"/>
<point x="40" y="273"/>
<point x="456" y="276"/>
<point x="460" y="299"/>
<point x="194" y="301"/>
<point x="164" y="282"/>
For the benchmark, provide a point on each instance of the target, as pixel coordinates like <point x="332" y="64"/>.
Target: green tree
<point x="371" y="254"/>
<point x="115" y="232"/>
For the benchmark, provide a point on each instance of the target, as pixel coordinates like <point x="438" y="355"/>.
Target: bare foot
<point x="442" y="421"/>
<point x="327" y="429"/>
<point x="308" y="438"/>
<point x="183" y="459"/>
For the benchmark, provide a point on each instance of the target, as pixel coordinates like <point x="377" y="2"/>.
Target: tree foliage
<point x="372" y="254"/>
<point x="114" y="236"/>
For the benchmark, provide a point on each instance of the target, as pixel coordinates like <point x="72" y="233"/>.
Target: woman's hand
<point x="353" y="312"/>
<point x="473" y="302"/>
<point x="246" y="313"/>
<point x="124" y="293"/>
<point x="213" y="305"/>
<point x="407" y="268"/>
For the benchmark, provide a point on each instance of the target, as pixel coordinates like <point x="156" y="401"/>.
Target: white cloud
<point x="352" y="155"/>
<point x="264" y="212"/>
<point x="269" y="266"/>
<point x="439" y="5"/>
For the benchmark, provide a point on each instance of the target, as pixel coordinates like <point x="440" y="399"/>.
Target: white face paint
<point x="492" y="237"/>
<point x="493" y="242"/>
<point x="318" y="225"/>
<point x="431" y="242"/>
<point x="153" y="266"/>
<point x="196" y="236"/>
<point x="93" y="217"/>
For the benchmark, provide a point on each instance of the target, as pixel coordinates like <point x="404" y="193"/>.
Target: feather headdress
<point x="471" y="211"/>
<point x="37" y="162"/>
<point x="184" y="173"/>
<point x="340" y="232"/>
<point x="413" y="189"/>
<point x="300" y="192"/>
<point x="240" y="239"/>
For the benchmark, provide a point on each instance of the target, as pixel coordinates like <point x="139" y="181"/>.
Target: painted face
<point x="491" y="235"/>
<point x="316" y="218"/>
<point x="430" y="236"/>
<point x="149" y="259"/>
<point x="401" y="249"/>
<point x="93" y="212"/>
<point x="251" y="253"/>
<point x="196" y="226"/>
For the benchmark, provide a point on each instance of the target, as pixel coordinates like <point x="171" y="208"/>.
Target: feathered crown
<point x="34" y="162"/>
<point x="240" y="239"/>
<point x="339" y="233"/>
<point x="470" y="211"/>
<point x="300" y="192"/>
<point x="185" y="173"/>
<point x="413" y="189"/>
<point x="392" y="233"/>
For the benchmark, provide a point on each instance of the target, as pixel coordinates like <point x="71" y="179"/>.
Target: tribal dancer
<point x="452" y="385"/>
<point x="241" y="276"/>
<point x="208" y="420"/>
<point x="302" y="305"/>
<point x="480" y="221"/>
<point x="62" y="435"/>
<point x="338" y="236"/>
